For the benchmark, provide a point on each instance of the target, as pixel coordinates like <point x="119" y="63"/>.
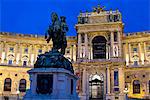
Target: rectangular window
<point x="40" y="50"/>
<point x="26" y="50"/>
<point x="82" y="38"/>
<point x="116" y="89"/>
<point x="11" y="49"/>
<point x="135" y="49"/>
<point x="135" y="63"/>
<point x="10" y="62"/>
<point x="116" y="81"/>
<point x="115" y="36"/>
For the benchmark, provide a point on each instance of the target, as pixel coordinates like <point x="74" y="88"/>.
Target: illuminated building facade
<point x="108" y="62"/>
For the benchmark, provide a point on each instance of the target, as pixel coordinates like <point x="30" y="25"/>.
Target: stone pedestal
<point x="59" y="84"/>
<point x="52" y="78"/>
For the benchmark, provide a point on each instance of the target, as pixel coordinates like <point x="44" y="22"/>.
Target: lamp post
<point x="126" y="93"/>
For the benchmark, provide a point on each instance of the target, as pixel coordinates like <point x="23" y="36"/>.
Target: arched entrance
<point x="99" y="47"/>
<point x="96" y="86"/>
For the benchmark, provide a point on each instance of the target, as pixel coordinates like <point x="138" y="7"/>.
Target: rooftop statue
<point x="55" y="59"/>
<point x="57" y="32"/>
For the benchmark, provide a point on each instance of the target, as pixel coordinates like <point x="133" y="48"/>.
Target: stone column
<point x="112" y="43"/>
<point x="106" y="51"/>
<point x="112" y="80"/>
<point x="72" y="52"/>
<point x="30" y="54"/>
<point x="121" y="80"/>
<point x="20" y="54"/>
<point x="108" y="80"/>
<point x="86" y="46"/>
<point x="126" y="54"/>
<point x="139" y="46"/>
<point x="16" y="54"/>
<point x="35" y="52"/>
<point x="145" y="57"/>
<point x="84" y="80"/>
<point x="15" y="86"/>
<point x="87" y="85"/>
<point x="6" y="51"/>
<point x="129" y="48"/>
<point x="91" y="51"/>
<point x="119" y="44"/>
<point x="79" y="44"/>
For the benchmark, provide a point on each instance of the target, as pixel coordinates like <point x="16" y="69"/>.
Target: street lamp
<point x="126" y="93"/>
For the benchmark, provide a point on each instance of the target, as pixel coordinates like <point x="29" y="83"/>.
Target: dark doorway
<point x="96" y="88"/>
<point x="99" y="47"/>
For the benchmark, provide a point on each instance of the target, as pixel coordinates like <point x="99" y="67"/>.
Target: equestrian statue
<point x="55" y="58"/>
<point x="57" y="32"/>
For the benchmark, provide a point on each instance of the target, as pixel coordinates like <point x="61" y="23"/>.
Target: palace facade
<point x="110" y="64"/>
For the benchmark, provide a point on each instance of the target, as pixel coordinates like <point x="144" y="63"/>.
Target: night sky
<point x="33" y="16"/>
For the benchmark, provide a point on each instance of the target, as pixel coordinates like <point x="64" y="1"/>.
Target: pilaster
<point x="112" y="43"/>
<point x="129" y="50"/>
<point x="139" y="46"/>
<point x="20" y="54"/>
<point x="86" y="46"/>
<point x="79" y="44"/>
<point x="108" y="80"/>
<point x="119" y="44"/>
<point x="91" y="54"/>
<point x="84" y="80"/>
<point x="6" y="51"/>
<point x="145" y="57"/>
<point x="72" y="52"/>
<point x="112" y="80"/>
<point x="121" y="80"/>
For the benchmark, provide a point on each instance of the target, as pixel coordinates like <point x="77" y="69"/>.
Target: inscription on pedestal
<point x="44" y="83"/>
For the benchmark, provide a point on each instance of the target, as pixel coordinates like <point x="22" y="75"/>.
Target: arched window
<point x="22" y="85"/>
<point x="136" y="86"/>
<point x="99" y="47"/>
<point x="7" y="84"/>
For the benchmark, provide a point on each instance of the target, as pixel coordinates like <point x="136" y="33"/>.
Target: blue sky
<point x="33" y="16"/>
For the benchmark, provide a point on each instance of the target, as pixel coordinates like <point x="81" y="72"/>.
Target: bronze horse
<point x="57" y="32"/>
